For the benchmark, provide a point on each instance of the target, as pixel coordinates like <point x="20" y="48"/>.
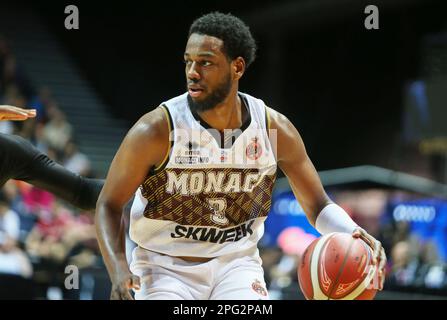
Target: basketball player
<point x="201" y="199"/>
<point x="20" y="160"/>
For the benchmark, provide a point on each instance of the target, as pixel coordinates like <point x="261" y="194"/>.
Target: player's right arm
<point x="144" y="147"/>
<point x="321" y="212"/>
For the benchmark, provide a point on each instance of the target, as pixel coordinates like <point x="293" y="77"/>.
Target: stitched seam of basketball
<point x="323" y="247"/>
<point x="341" y="269"/>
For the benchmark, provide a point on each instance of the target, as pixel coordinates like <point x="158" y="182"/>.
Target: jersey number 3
<point x="218" y="206"/>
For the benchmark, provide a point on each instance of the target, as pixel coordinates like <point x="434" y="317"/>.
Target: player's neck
<point x="226" y="115"/>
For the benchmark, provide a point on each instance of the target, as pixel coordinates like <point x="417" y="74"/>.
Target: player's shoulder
<point x="152" y="125"/>
<point x="277" y="120"/>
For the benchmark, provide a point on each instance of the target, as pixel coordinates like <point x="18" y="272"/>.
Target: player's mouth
<point x="195" y="91"/>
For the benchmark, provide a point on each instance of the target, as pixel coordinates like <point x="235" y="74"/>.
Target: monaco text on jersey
<point x="190" y="183"/>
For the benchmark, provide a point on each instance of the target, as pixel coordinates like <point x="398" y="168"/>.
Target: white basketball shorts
<point x="237" y="276"/>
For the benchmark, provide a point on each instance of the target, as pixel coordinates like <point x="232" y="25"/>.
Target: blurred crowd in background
<point x="40" y="235"/>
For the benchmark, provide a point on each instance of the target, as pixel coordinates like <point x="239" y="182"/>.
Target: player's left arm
<point x="321" y="212"/>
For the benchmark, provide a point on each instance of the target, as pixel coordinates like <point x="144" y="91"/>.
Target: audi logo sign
<point x="413" y="213"/>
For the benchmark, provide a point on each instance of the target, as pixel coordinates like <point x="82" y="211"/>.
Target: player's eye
<point x="205" y="63"/>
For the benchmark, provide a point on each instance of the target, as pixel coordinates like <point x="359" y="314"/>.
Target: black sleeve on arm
<point x="90" y="189"/>
<point x="46" y="174"/>
<point x="16" y="154"/>
<point x="22" y="161"/>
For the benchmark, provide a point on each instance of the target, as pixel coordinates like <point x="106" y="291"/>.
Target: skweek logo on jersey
<point x="213" y="235"/>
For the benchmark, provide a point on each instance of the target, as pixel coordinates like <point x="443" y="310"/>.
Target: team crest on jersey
<point x="254" y="149"/>
<point x="258" y="288"/>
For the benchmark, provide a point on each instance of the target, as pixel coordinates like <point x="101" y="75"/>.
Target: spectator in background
<point x="40" y="142"/>
<point x="75" y="161"/>
<point x="36" y="200"/>
<point x="45" y="239"/>
<point x="405" y="265"/>
<point x="12" y="259"/>
<point x="431" y="273"/>
<point x="80" y="239"/>
<point x="57" y="131"/>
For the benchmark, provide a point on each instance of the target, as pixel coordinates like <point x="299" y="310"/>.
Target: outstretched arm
<point x="20" y="160"/>
<point x="144" y="146"/>
<point x="321" y="212"/>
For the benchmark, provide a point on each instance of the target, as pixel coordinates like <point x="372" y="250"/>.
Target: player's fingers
<point x="18" y="115"/>
<point x="369" y="239"/>
<point x="13" y="112"/>
<point x="31" y="113"/>
<point x="376" y="251"/>
<point x="114" y="295"/>
<point x="373" y="243"/>
<point x="383" y="259"/>
<point x="20" y="111"/>
<point x="382" y="280"/>
<point x="135" y="282"/>
<point x="125" y="294"/>
<point x="382" y="265"/>
<point x="15" y="117"/>
<point x="357" y="234"/>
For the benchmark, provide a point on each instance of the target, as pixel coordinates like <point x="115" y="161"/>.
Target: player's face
<point x="208" y="71"/>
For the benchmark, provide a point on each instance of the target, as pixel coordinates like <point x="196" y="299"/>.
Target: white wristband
<point x="334" y="219"/>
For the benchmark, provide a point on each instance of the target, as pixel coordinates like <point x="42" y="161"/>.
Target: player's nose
<point x="192" y="72"/>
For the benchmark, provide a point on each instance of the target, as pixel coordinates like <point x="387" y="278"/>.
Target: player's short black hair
<point x="235" y="34"/>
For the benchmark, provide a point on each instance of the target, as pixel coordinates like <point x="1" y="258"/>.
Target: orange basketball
<point x="337" y="266"/>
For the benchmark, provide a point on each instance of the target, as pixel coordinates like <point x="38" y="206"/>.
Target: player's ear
<point x="238" y="66"/>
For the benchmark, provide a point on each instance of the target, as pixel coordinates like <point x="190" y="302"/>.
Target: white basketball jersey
<point x="207" y="200"/>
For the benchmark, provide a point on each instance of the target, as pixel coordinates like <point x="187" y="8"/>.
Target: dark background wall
<point x="340" y="84"/>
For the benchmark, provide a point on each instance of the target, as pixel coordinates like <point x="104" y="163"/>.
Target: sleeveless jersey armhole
<point x="162" y="165"/>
